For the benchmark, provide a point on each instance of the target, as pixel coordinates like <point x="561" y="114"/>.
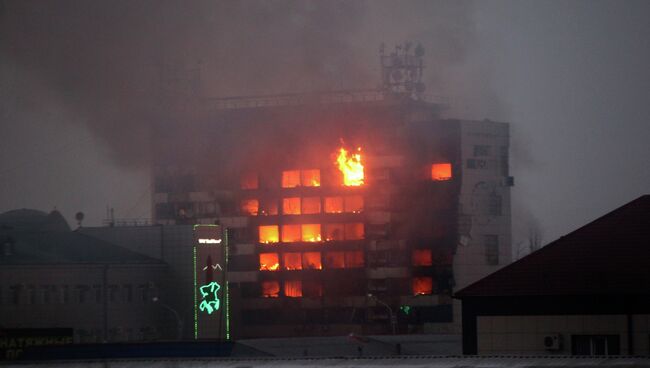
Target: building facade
<point x="345" y="212"/>
<point x="587" y="293"/>
<point x="54" y="278"/>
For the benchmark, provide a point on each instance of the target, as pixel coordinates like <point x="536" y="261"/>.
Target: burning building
<point x="357" y="211"/>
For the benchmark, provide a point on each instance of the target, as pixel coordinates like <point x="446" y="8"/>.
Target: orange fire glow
<point x="351" y="167"/>
<point x="441" y="171"/>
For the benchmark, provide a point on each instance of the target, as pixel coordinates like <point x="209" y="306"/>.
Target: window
<point x="15" y="294"/>
<point x="354" y="259"/>
<point x="82" y="293"/>
<point x="290" y="178"/>
<point x="421" y="257"/>
<point x="334" y="232"/>
<point x="494" y="205"/>
<point x="422" y="285"/>
<point x="310" y="205"/>
<point x="65" y="294"/>
<point x="350" y="259"/>
<point x="293" y="288"/>
<point x="312" y="288"/>
<point x="128" y="293"/>
<point x="311" y="261"/>
<point x="335" y="259"/>
<point x="476" y="164"/>
<point x="270" y="289"/>
<point x="354" y="231"/>
<point x="491" y="249"/>
<point x="311" y="232"/>
<point x="112" y="293"/>
<point x="333" y="204"/>
<point x="268" y="207"/>
<point x="269" y="262"/>
<point x="310" y="178"/>
<point x="97" y="290"/>
<point x="249" y="207"/>
<point x="353" y="204"/>
<point x="595" y="345"/>
<point x="290" y="233"/>
<point x="268" y="234"/>
<point x="481" y="150"/>
<point x="249" y="181"/>
<point x="292" y="261"/>
<point x="441" y="171"/>
<point x="291" y="206"/>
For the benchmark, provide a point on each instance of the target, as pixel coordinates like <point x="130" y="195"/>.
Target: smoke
<point x="126" y="67"/>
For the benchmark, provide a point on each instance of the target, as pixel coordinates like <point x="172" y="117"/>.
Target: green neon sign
<point x="210" y="302"/>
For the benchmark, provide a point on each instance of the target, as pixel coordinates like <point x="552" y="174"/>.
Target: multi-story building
<point x="346" y="212"/>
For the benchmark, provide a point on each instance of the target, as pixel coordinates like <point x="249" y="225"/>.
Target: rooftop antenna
<point x="402" y="70"/>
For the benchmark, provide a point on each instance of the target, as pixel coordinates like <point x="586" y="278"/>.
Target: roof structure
<point x="35" y="237"/>
<point x="609" y="256"/>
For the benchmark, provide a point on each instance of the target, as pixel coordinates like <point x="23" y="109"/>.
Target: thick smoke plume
<point x="129" y="66"/>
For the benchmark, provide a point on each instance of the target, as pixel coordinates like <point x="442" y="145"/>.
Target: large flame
<point x="351" y="167"/>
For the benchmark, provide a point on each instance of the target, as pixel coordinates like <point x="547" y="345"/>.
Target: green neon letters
<point x="209" y="299"/>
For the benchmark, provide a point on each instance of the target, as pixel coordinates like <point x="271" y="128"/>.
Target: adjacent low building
<point x="587" y="293"/>
<point x="55" y="278"/>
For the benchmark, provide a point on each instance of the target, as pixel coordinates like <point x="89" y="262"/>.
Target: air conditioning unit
<point x="553" y="342"/>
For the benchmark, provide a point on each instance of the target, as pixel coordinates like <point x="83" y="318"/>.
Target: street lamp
<point x="179" y="321"/>
<point x="393" y="320"/>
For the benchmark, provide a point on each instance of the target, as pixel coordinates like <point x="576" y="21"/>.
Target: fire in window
<point x="310" y="205"/>
<point x="249" y="207"/>
<point x="311" y="261"/>
<point x="311" y="233"/>
<point x="334" y="232"/>
<point x="353" y="204"/>
<point x="310" y="178"/>
<point x="354" y="259"/>
<point x="421" y="257"/>
<point x="249" y="181"/>
<point x="291" y="206"/>
<point x="441" y="172"/>
<point x="335" y="259"/>
<point x="354" y="231"/>
<point x="334" y="205"/>
<point x="290" y="178"/>
<point x="290" y="233"/>
<point x="269" y="262"/>
<point x="268" y="207"/>
<point x="293" y="288"/>
<point x="270" y="289"/>
<point x="351" y="167"/>
<point x="422" y="285"/>
<point x="292" y="261"/>
<point x="268" y="234"/>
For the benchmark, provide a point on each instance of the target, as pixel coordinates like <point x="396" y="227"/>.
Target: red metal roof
<point x="609" y="256"/>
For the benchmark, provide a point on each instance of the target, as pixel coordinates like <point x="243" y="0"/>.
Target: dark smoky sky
<point x="82" y="82"/>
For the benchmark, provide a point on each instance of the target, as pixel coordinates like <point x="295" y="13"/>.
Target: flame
<point x="351" y="167"/>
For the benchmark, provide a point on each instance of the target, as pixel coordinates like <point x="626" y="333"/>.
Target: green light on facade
<point x="225" y="235"/>
<point x="406" y="309"/>
<point x="196" y="311"/>
<point x="210" y="302"/>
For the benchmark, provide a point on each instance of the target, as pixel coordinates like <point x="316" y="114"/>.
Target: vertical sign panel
<point x="210" y="284"/>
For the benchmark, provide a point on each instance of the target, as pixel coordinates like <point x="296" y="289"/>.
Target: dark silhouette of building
<point x="587" y="293"/>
